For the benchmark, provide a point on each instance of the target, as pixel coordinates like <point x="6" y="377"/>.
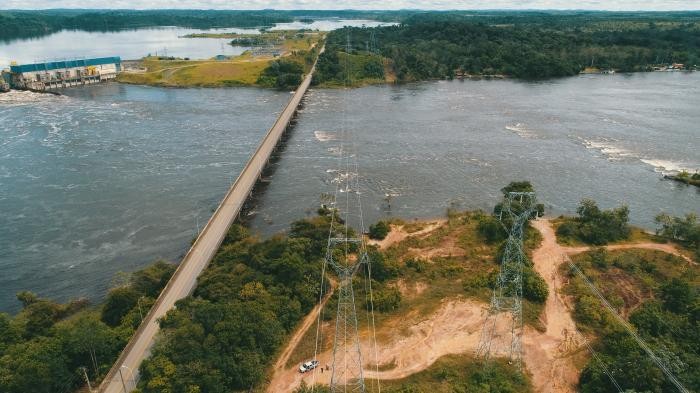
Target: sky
<point x="613" y="5"/>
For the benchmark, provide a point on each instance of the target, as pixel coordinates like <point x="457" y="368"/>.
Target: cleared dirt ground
<point x="411" y="343"/>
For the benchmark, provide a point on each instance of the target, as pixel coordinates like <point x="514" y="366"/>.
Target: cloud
<point x="618" y="5"/>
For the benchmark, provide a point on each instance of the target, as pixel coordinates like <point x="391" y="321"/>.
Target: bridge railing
<point x="277" y="131"/>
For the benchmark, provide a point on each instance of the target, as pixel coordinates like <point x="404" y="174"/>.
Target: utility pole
<point x="138" y="302"/>
<point x="517" y="209"/>
<point x="86" y="378"/>
<point x="122" y="379"/>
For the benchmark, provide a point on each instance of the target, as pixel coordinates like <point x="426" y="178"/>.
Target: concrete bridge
<point x="124" y="374"/>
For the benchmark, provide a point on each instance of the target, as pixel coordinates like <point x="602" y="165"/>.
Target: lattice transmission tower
<point x="507" y="297"/>
<point x="347" y="374"/>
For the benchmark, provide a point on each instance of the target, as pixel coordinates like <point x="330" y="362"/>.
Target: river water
<point x="110" y="177"/>
<point x="135" y="44"/>
<point x="440" y="144"/>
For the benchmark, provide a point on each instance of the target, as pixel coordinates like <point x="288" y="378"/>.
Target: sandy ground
<point x="398" y="233"/>
<point x="455" y="328"/>
<point x="665" y="247"/>
<point x="308" y="322"/>
<point x="547" y="355"/>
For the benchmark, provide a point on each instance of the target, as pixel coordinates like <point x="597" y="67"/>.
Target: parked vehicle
<point x="308" y="366"/>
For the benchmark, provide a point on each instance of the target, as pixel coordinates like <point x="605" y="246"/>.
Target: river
<point x="456" y="143"/>
<point x="135" y="44"/>
<point x="110" y="177"/>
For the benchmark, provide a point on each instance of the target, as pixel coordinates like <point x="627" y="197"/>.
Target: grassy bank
<point x="658" y="294"/>
<point x="243" y="70"/>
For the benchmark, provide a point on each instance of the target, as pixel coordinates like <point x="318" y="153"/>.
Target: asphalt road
<point x="124" y="373"/>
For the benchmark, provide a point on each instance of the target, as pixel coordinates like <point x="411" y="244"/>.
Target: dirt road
<point x="546" y="354"/>
<point x="664" y="247"/>
<point x="455" y="328"/>
<point x="124" y="374"/>
<point x="278" y="382"/>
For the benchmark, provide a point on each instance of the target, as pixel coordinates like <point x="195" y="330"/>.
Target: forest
<point x="665" y="314"/>
<point x="50" y="348"/>
<point x="525" y="45"/>
<point x="27" y="24"/>
<point x="250" y="297"/>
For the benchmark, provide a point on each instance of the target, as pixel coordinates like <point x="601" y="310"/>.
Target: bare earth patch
<point x="398" y="234"/>
<point x="412" y="342"/>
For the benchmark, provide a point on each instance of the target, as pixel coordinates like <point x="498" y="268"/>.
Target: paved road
<point x="124" y="373"/>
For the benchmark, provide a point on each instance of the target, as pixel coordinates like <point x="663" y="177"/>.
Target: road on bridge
<point x="124" y="373"/>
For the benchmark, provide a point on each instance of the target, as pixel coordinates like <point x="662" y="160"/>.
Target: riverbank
<point x="243" y="70"/>
<point x="685" y="178"/>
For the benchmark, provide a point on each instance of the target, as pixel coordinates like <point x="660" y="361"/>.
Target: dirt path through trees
<point x="455" y="328"/>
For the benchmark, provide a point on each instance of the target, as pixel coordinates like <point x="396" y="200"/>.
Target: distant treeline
<point x="521" y="45"/>
<point x="27" y="24"/>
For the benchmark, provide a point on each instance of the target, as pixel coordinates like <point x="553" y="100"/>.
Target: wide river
<point x="108" y="178"/>
<point x="135" y="44"/>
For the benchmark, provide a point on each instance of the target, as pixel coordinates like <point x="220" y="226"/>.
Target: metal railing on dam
<point x="123" y="375"/>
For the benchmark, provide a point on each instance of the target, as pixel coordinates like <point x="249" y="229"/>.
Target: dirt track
<point x="455" y="328"/>
<point x="307" y="323"/>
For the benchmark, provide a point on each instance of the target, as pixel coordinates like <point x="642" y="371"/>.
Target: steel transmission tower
<point x="517" y="209"/>
<point x="347" y="373"/>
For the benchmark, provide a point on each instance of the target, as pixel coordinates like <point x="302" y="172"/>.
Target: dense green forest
<point x="26" y="24"/>
<point x="522" y="45"/>
<point x="250" y="297"/>
<point x="665" y="314"/>
<point x="46" y="346"/>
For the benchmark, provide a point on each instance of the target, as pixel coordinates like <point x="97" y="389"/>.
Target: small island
<point x="686" y="177"/>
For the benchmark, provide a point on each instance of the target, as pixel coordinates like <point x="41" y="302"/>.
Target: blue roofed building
<point x="67" y="73"/>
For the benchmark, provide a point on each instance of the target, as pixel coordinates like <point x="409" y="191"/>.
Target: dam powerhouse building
<point x="59" y="74"/>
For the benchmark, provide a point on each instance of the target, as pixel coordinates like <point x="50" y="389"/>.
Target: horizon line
<point x="356" y="9"/>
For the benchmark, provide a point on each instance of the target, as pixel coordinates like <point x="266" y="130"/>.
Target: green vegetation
<point x="25" y="24"/>
<point x="660" y="295"/>
<point x="685" y="230"/>
<point x="22" y="24"/>
<point x="595" y="226"/>
<point x="282" y="74"/>
<point x="379" y="230"/>
<point x="687" y="178"/>
<point x="516" y="44"/>
<point x="243" y="70"/>
<point x="453" y="373"/>
<point x="336" y="68"/>
<point x="300" y="51"/>
<point x="46" y="345"/>
<point x="250" y="297"/>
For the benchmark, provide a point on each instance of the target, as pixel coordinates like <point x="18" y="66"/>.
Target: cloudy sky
<point x="617" y="5"/>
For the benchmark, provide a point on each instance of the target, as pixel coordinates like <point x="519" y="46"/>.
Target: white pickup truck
<point x="308" y="366"/>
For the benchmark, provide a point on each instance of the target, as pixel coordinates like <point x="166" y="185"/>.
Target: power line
<point x="508" y="293"/>
<point x="628" y="327"/>
<point x="346" y="254"/>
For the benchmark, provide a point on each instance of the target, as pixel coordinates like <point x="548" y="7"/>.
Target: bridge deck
<point x="124" y="372"/>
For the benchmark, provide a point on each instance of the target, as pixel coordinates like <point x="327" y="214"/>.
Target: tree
<point x="534" y="287"/>
<point x="118" y="303"/>
<point x="677" y="295"/>
<point x="491" y="229"/>
<point x="38" y="365"/>
<point x="149" y="281"/>
<point x="379" y="230"/>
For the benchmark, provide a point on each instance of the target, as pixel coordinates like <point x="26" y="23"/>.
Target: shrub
<point x="119" y="302"/>
<point x="534" y="287"/>
<point x="379" y="230"/>
<point x="491" y="229"/>
<point x="386" y="298"/>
